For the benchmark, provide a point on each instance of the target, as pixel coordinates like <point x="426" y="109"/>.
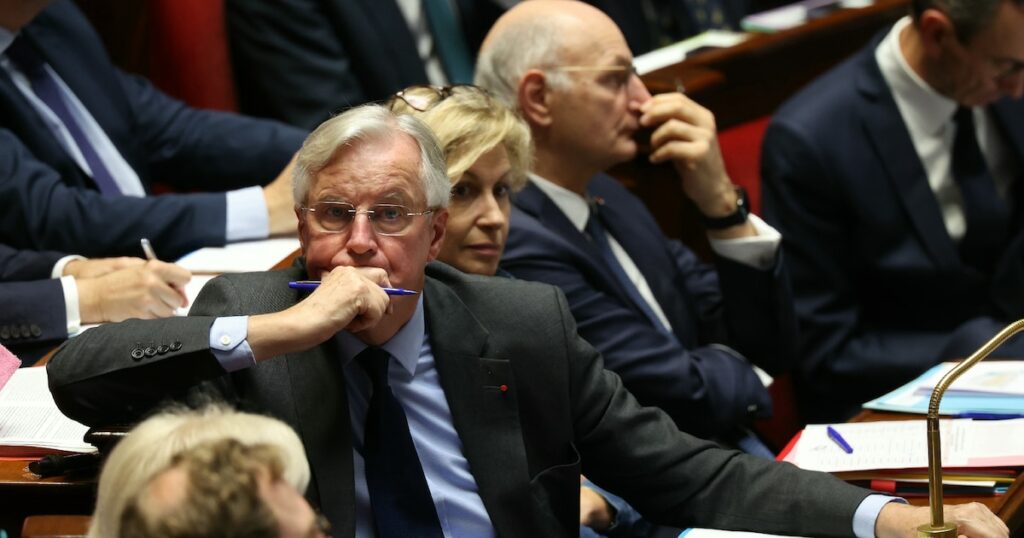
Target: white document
<point x="240" y="257"/>
<point x="192" y="290"/>
<point x="996" y="378"/>
<point x="902" y="444"/>
<point x="30" y="419"/>
<point x="676" y="52"/>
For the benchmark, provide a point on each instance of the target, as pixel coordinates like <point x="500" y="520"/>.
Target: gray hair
<point x="969" y="17"/>
<point x="519" y="47"/>
<point x="362" y="124"/>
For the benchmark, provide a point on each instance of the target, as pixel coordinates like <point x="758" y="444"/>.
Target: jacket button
<point x="175" y="346"/>
<point x="150" y="351"/>
<point x="163" y="348"/>
<point x="25" y="331"/>
<point x="137" y="353"/>
<point x="36" y="331"/>
<point x="5" y="333"/>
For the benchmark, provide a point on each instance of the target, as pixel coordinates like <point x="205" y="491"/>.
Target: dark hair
<point x="969" y="17"/>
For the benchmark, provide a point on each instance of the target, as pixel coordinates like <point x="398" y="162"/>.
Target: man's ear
<point x="438" y="226"/>
<point x="303" y="230"/>
<point x="534" y="95"/>
<point x="935" y="29"/>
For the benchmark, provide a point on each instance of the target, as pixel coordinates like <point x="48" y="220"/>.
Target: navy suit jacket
<point x="706" y="389"/>
<point x="32" y="314"/>
<point x="159" y="137"/>
<point x="303" y="60"/>
<point x="881" y="292"/>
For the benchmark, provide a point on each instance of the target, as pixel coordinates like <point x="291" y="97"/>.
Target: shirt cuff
<point x="758" y="251"/>
<point x="867" y="513"/>
<point x="58" y="268"/>
<point x="247" y="215"/>
<point x="72" y="313"/>
<point x="228" y="343"/>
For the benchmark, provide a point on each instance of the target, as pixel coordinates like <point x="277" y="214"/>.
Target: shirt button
<point x="225" y="340"/>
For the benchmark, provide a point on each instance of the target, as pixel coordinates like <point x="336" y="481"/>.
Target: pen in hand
<point x="833" y="434"/>
<point x="313" y="284"/>
<point x="147" y="249"/>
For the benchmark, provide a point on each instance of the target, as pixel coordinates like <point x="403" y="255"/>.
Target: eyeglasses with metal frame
<point x="385" y="219"/>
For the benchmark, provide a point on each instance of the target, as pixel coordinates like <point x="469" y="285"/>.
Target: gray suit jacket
<point x="562" y="414"/>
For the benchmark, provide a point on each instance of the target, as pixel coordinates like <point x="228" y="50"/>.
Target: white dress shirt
<point x="928" y="116"/>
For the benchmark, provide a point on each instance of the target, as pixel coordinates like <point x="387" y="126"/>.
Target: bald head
<point x="539" y="34"/>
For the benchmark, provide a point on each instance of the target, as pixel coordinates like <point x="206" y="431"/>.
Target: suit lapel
<point x="533" y="201"/>
<point x="481" y="394"/>
<point x="649" y="256"/>
<point x="317" y="386"/>
<point x="94" y="85"/>
<point x="891" y="141"/>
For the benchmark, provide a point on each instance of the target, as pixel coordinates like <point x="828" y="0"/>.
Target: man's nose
<point x="638" y="93"/>
<point x="361" y="236"/>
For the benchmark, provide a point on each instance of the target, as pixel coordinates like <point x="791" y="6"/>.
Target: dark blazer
<point x="705" y="389"/>
<point x="159" y="137"/>
<point x="32" y="313"/>
<point x="562" y="414"/>
<point x="303" y="60"/>
<point x="881" y="292"/>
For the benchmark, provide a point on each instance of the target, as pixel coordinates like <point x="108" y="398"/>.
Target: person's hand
<point x="99" y="267"/>
<point x="973" y="520"/>
<point x="685" y="135"/>
<point x="145" y="290"/>
<point x="280" y="203"/>
<point x="595" y="512"/>
<point x="348" y="298"/>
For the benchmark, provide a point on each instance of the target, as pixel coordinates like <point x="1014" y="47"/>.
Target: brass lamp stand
<point x="938" y="527"/>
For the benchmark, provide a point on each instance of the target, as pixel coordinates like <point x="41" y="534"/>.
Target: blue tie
<point x="598" y="236"/>
<point x="451" y="45"/>
<point x="45" y="87"/>
<point x="985" y="212"/>
<point x="401" y="501"/>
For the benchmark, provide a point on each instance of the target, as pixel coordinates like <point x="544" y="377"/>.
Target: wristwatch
<point x="736" y="217"/>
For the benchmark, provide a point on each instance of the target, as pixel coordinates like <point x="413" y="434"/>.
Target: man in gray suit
<point x="498" y="403"/>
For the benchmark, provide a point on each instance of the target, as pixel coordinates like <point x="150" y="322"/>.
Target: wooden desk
<point x="24" y="494"/>
<point x="1009" y="507"/>
<point x="753" y="78"/>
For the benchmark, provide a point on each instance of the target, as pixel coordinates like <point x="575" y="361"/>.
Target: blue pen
<point x="989" y="416"/>
<point x="313" y="284"/>
<point x="838" y="439"/>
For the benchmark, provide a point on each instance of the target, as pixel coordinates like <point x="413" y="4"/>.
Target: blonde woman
<point x="153" y="444"/>
<point x="488" y="152"/>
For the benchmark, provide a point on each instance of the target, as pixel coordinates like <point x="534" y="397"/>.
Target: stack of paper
<point x="989" y="387"/>
<point x="979" y="457"/>
<point x="30" y="423"/>
<point x="240" y="257"/>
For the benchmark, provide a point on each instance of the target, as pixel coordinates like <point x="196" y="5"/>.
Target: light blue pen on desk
<point x="313" y="284"/>
<point x="838" y="439"/>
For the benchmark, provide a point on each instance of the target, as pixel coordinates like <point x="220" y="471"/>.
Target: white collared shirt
<point x="928" y="116"/>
